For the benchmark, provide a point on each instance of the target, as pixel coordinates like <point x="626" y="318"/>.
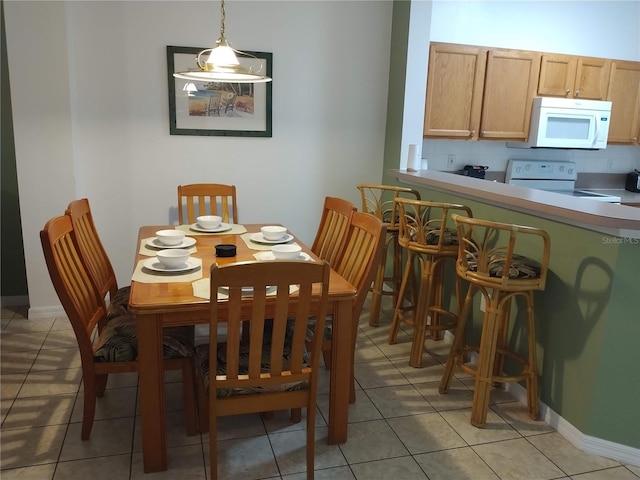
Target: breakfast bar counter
<point x="588" y="315"/>
<point x="612" y="219"/>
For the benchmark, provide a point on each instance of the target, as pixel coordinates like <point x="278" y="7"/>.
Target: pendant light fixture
<point x="222" y="64"/>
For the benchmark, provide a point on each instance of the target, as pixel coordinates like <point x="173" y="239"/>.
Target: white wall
<point x="609" y="29"/>
<point x="92" y="120"/>
<point x="39" y="77"/>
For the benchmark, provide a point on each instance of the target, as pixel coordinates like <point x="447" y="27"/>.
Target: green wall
<point x="14" y="275"/>
<point x="395" y="101"/>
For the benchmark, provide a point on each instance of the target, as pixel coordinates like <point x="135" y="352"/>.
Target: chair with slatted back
<point x="207" y="199"/>
<point x="115" y="348"/>
<point x="272" y="369"/>
<point x="333" y="228"/>
<point x="379" y="200"/>
<point x="96" y="258"/>
<point x="491" y="260"/>
<point x="357" y="264"/>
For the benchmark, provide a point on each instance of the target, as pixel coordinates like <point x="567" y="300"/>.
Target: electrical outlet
<point x="609" y="165"/>
<point x="451" y="160"/>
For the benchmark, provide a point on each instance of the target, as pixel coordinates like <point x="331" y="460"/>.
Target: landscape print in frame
<point x="217" y="108"/>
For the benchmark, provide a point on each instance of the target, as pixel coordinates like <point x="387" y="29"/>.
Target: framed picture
<point x="215" y="108"/>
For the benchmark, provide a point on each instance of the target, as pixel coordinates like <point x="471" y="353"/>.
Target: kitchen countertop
<point x="612" y="219"/>
<point x="625" y="195"/>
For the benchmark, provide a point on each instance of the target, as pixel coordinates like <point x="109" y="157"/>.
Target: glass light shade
<point x="225" y="77"/>
<point x="221" y="57"/>
<point x="222" y="64"/>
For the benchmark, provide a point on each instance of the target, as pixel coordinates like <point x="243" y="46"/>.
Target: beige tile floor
<point x="400" y="427"/>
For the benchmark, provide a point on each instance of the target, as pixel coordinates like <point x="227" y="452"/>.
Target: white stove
<point x="551" y="176"/>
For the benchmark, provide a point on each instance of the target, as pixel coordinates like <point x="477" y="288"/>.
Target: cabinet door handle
<point x="577" y="93"/>
<point x="473" y="132"/>
<point x="567" y="91"/>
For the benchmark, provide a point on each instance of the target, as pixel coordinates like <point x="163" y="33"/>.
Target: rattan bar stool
<point x="379" y="200"/>
<point x="428" y="234"/>
<point x="487" y="260"/>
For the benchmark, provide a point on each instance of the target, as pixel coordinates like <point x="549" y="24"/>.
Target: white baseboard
<point x="605" y="448"/>
<point x="46" y="312"/>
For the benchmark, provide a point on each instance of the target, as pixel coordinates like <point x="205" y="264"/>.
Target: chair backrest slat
<point x="332" y="231"/>
<point x="361" y="254"/>
<point x="207" y="199"/>
<point x="91" y="249"/>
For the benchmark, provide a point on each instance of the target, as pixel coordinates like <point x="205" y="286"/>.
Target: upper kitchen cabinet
<point x="510" y="85"/>
<point x="624" y="93"/>
<point x="454" y="91"/>
<point x="574" y="77"/>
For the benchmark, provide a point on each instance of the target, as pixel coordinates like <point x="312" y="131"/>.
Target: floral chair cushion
<point x="328" y="329"/>
<point x="202" y="363"/>
<point x="118" y="341"/>
<point x="521" y="266"/>
<point x="118" y="305"/>
<point x="432" y="236"/>
<point x="450" y="237"/>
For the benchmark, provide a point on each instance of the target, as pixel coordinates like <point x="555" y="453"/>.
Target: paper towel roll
<point x="414" y="161"/>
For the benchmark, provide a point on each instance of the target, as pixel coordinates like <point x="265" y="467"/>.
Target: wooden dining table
<point x="166" y="303"/>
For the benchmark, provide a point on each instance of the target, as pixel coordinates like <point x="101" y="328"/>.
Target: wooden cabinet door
<point x="592" y="78"/>
<point x="510" y="85"/>
<point x="624" y="93"/>
<point x="557" y="75"/>
<point x="573" y="77"/>
<point x="454" y="91"/>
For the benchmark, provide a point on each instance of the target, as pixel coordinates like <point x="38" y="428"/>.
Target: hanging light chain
<point x="222" y="40"/>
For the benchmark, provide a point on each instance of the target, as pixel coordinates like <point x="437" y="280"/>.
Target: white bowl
<point x="173" y="258"/>
<point x="209" y="222"/>
<point x="170" y="237"/>
<point x="272" y="232"/>
<point x="286" y="252"/>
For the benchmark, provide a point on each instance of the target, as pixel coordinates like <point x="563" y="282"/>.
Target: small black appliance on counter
<point x="475" y="171"/>
<point x="633" y="181"/>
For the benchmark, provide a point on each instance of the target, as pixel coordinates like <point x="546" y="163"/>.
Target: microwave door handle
<point x="595" y="130"/>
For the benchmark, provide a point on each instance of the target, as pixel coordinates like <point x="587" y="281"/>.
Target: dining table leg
<point x="340" y="383"/>
<point x="151" y="381"/>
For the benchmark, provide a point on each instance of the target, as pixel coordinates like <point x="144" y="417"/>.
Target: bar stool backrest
<point x="427" y="227"/>
<point x="487" y="247"/>
<point x="379" y="200"/>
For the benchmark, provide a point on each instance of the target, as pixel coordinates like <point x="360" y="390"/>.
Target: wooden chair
<point x="379" y="200"/>
<point x="207" y="199"/>
<point x="333" y="228"/>
<point x="429" y="236"/>
<point x="273" y="370"/>
<point x="487" y="259"/>
<point x="96" y="258"/>
<point x="115" y="349"/>
<point x="357" y="264"/>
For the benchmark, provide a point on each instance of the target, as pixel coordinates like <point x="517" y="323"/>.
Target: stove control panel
<point x="540" y="170"/>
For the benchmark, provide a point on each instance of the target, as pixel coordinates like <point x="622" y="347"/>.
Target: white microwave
<point x="567" y="123"/>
